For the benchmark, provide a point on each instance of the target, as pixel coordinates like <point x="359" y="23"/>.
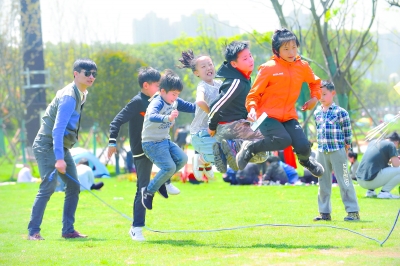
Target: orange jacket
<point x="277" y="87"/>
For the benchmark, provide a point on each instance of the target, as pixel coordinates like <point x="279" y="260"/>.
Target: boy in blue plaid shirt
<point x="334" y="139"/>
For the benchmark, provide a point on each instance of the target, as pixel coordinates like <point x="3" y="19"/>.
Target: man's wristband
<point x="112" y="145"/>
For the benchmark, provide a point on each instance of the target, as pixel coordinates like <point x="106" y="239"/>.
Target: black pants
<point x="278" y="136"/>
<point x="143" y="172"/>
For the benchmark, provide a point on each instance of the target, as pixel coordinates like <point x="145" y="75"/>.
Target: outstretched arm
<point x="314" y="82"/>
<point x="121" y="118"/>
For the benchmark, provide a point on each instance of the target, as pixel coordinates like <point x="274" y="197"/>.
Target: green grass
<point x="200" y="207"/>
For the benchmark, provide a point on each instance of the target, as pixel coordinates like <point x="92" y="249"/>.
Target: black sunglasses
<point x="88" y="73"/>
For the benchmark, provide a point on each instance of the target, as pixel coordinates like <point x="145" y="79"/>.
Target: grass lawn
<point x="215" y="205"/>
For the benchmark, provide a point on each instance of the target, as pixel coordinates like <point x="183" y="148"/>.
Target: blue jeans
<point x="167" y="156"/>
<point x="43" y="150"/>
<point x="202" y="142"/>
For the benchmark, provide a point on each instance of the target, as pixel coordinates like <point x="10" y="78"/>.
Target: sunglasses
<point x="88" y="73"/>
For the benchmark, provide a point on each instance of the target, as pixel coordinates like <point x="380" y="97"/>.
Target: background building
<point x="152" y="29"/>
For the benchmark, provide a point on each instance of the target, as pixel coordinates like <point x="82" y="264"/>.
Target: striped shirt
<point x="333" y="128"/>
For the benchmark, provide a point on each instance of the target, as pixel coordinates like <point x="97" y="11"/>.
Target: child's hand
<point x="310" y="104"/>
<point x="211" y="132"/>
<point x="347" y="147"/>
<point x="252" y="115"/>
<point x="174" y="114"/>
<point x="111" y="151"/>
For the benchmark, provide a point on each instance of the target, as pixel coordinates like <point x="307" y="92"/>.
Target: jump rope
<point x="236" y="227"/>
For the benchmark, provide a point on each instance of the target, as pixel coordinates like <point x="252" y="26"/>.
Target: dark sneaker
<point x="74" y="234"/>
<point x="163" y="191"/>
<point x="352" y="216"/>
<point x="315" y="168"/>
<point x="229" y="149"/>
<point x="323" y="217"/>
<point x="36" y="236"/>
<point x="147" y="199"/>
<point x="97" y="186"/>
<point x="244" y="155"/>
<point x="219" y="158"/>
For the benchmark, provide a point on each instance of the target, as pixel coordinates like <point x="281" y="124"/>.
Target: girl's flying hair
<point x="188" y="60"/>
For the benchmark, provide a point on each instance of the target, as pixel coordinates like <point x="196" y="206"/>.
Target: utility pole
<point x="32" y="45"/>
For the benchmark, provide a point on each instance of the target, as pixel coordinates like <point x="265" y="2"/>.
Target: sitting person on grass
<point x="249" y="175"/>
<point x="86" y="176"/>
<point x="275" y="174"/>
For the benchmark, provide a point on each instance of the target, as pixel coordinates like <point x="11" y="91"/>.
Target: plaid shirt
<point x="333" y="128"/>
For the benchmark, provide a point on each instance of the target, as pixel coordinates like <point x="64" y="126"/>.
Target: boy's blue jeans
<point x="44" y="154"/>
<point x="167" y="156"/>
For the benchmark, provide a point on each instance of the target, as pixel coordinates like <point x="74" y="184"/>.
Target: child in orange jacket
<point x="275" y="92"/>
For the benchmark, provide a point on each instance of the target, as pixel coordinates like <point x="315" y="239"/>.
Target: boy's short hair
<point x="394" y="137"/>
<point x="84" y="63"/>
<point x="149" y="75"/>
<point x="170" y="81"/>
<point x="351" y="154"/>
<point x="328" y="85"/>
<point x="234" y="48"/>
<point x="281" y="37"/>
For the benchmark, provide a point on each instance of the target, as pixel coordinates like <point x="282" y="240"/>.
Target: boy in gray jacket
<point x="156" y="142"/>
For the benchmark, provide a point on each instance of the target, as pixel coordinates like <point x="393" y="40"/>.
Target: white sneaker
<point x="370" y="194"/>
<point x="299" y="183"/>
<point x="136" y="233"/>
<point x="276" y="183"/>
<point x="198" y="170"/>
<point x="172" y="190"/>
<point x="387" y="195"/>
<point x="208" y="171"/>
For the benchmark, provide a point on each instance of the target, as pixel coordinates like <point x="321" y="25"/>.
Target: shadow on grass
<point x="88" y="239"/>
<point x="193" y="243"/>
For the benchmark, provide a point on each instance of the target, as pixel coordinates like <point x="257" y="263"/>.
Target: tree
<point x="59" y="59"/>
<point x="348" y="54"/>
<point x="115" y="85"/>
<point x="11" y="93"/>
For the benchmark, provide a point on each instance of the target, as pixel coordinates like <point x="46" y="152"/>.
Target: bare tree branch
<point x="361" y="74"/>
<point x="364" y="36"/>
<point x="395" y="3"/>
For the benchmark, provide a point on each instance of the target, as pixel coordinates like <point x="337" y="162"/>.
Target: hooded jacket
<point x="278" y="85"/>
<point x="229" y="106"/>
